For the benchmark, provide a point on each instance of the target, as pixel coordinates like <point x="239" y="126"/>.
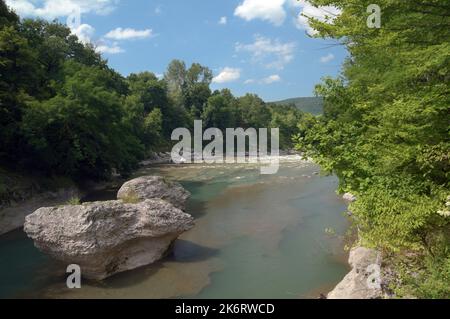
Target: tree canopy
<point x="385" y="129"/>
<point x="64" y="111"/>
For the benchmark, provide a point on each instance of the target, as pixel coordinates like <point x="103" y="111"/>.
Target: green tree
<point x="81" y="131"/>
<point x="385" y="129"/>
<point x="218" y="112"/>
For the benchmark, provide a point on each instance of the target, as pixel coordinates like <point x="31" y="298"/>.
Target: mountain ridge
<point x="313" y="105"/>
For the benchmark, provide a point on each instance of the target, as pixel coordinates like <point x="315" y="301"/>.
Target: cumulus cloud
<point x="268" y="10"/>
<point x="72" y="9"/>
<point x="227" y="75"/>
<point x="51" y="9"/>
<point x="84" y="32"/>
<point x="223" y="20"/>
<point x="327" y="58"/>
<point x="324" y="14"/>
<point x="271" y="79"/>
<point x="271" y="53"/>
<point x="128" y="33"/>
<point x="109" y="49"/>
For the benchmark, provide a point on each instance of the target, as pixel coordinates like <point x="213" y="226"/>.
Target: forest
<point x="64" y="111"/>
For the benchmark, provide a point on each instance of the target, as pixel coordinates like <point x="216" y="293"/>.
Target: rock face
<point x="148" y="187"/>
<point x="13" y="216"/>
<point x="349" y="197"/>
<point x="105" y="238"/>
<point x="357" y="284"/>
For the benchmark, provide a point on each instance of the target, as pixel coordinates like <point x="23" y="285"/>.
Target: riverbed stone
<point x="358" y="284"/>
<point x="106" y="238"/>
<point x="148" y="187"/>
<point x="349" y="197"/>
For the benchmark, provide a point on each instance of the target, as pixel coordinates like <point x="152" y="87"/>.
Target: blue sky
<point x="257" y="46"/>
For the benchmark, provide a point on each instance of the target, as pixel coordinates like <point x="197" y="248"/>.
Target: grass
<point x="131" y="199"/>
<point x="74" y="201"/>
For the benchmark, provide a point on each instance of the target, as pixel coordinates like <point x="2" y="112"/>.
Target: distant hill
<point x="313" y="105"/>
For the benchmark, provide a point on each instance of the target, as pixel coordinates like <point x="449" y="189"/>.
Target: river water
<point x="256" y="236"/>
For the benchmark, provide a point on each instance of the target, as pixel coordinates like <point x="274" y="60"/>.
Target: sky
<point x="256" y="46"/>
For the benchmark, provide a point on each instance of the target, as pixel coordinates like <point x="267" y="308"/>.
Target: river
<point x="256" y="236"/>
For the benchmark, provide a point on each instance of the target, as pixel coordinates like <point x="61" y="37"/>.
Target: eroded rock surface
<point x="148" y="187"/>
<point x="361" y="281"/>
<point x="105" y="238"/>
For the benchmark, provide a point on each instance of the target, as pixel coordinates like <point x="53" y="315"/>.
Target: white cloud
<point x="51" y="9"/>
<point x="128" y="33"/>
<point x="84" y="33"/>
<point x="272" y="53"/>
<point x="223" y="20"/>
<point x="113" y="49"/>
<point x="271" y="79"/>
<point x="324" y="14"/>
<point x="22" y="7"/>
<point x="269" y="10"/>
<point x="158" y="10"/>
<point x="327" y="58"/>
<point x="249" y="81"/>
<point x="227" y="75"/>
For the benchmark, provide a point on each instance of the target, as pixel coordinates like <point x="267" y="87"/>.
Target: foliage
<point x="74" y="201"/>
<point x="385" y="128"/>
<point x="63" y="111"/>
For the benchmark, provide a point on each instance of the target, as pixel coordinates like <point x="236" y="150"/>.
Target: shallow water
<point x="256" y="236"/>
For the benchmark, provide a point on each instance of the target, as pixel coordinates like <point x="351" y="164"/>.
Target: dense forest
<point x="64" y="111"/>
<point x="385" y="134"/>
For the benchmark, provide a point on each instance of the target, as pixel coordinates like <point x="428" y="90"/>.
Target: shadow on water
<point x="186" y="251"/>
<point x="183" y="252"/>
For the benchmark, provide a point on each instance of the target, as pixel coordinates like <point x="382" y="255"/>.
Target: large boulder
<point x="147" y="187"/>
<point x="105" y="238"/>
<point x="361" y="281"/>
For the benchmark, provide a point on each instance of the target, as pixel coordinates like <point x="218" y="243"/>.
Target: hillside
<point x="313" y="105"/>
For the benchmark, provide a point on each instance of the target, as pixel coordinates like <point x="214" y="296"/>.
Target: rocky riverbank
<point x="13" y="214"/>
<point x="364" y="280"/>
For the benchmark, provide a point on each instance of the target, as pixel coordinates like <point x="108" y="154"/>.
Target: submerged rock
<point x="105" y="238"/>
<point x="147" y="187"/>
<point x="362" y="282"/>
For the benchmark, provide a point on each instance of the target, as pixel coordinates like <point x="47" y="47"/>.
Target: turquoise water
<point x="256" y="236"/>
